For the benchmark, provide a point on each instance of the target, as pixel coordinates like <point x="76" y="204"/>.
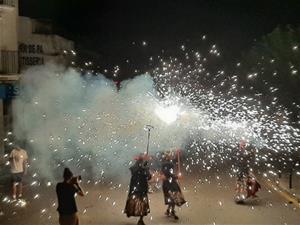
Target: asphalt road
<point x="209" y="196"/>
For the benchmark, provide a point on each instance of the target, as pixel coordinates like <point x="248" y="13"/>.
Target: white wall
<point x="8" y="28"/>
<point x="9" y="42"/>
<point x="36" y="49"/>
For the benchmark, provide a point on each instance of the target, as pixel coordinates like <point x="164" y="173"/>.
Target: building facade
<point x="24" y="42"/>
<point x="38" y="44"/>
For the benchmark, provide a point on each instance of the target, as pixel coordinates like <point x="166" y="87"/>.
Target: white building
<point x="24" y="42"/>
<point x="37" y="44"/>
<point x="8" y="37"/>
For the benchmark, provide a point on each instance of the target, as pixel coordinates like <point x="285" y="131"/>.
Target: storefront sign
<point x="31" y="54"/>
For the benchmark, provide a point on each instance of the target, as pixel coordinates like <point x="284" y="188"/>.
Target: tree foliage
<point x="272" y="67"/>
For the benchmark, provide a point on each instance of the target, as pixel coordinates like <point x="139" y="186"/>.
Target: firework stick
<point x="147" y="152"/>
<point x="148" y="128"/>
<point x="178" y="162"/>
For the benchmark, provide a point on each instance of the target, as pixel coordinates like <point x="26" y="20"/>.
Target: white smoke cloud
<point x="83" y="121"/>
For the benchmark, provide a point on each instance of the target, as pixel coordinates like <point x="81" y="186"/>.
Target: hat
<point x="67" y="174"/>
<point x="141" y="156"/>
<point x="168" y="154"/>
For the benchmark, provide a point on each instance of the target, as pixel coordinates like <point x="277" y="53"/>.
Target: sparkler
<point x="178" y="152"/>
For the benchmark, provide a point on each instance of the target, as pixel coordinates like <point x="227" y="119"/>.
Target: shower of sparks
<point x="194" y="107"/>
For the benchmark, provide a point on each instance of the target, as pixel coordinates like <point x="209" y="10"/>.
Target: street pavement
<point x="209" y="196"/>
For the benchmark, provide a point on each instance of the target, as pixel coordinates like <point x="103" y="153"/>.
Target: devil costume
<point x="172" y="192"/>
<point x="137" y="202"/>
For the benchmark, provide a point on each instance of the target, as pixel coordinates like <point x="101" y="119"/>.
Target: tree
<point x="272" y="67"/>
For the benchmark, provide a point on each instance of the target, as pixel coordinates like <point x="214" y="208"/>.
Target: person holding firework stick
<point x="171" y="189"/>
<point x="137" y="203"/>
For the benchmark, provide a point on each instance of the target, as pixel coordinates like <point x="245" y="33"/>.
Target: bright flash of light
<point x="168" y="114"/>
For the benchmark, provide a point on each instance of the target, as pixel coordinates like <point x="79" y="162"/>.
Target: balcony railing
<point x="8" y="2"/>
<point x="9" y="62"/>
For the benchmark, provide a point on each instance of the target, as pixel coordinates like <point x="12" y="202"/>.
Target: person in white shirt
<point x="18" y="161"/>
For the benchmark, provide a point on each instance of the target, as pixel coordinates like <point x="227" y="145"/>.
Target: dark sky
<point x="109" y="27"/>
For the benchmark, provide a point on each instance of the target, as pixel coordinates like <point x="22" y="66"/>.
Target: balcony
<point x="9" y="62"/>
<point x="11" y="3"/>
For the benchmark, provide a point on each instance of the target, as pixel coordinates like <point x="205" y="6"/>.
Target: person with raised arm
<point x="137" y="203"/>
<point x="171" y="189"/>
<point x="66" y="192"/>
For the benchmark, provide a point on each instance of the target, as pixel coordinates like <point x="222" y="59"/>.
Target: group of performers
<point x="137" y="203"/>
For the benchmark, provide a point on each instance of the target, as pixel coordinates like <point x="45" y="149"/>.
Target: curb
<point x="286" y="193"/>
<point x="289" y="192"/>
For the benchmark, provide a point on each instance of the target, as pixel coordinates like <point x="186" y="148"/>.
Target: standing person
<point x="137" y="203"/>
<point x="18" y="161"/>
<point x="242" y="161"/>
<point x="171" y="189"/>
<point x="244" y="158"/>
<point x="66" y="191"/>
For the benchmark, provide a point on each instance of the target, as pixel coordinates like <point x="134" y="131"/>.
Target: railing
<point x="8" y="2"/>
<point x="9" y="62"/>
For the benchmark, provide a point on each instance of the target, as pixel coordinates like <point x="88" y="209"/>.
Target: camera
<point x="75" y="179"/>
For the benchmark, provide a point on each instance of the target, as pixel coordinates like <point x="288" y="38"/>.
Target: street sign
<point x="8" y="91"/>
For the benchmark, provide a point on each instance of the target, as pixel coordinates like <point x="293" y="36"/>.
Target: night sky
<point x="109" y="28"/>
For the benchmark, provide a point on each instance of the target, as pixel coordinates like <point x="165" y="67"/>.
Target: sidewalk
<point x="283" y="184"/>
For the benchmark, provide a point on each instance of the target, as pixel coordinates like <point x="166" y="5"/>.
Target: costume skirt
<point x="137" y="205"/>
<point x="172" y="193"/>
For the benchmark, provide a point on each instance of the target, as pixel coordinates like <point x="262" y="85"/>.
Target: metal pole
<point x="148" y="141"/>
<point x="148" y="127"/>
<point x="291" y="179"/>
<point x="178" y="162"/>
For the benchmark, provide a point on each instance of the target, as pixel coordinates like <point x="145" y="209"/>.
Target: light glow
<point x="168" y="114"/>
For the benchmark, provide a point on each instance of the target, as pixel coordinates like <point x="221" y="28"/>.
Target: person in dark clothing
<point x="66" y="192"/>
<point x="171" y="189"/>
<point x="137" y="203"/>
